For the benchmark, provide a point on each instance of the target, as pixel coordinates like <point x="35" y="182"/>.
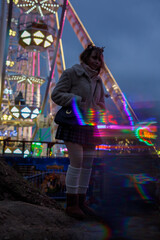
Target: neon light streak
<point x="78" y="113"/>
<point x="34" y="58"/>
<point x="38" y="64"/>
<point x="141" y="191"/>
<point x="127" y="110"/>
<point x="102" y="116"/>
<point x="146" y="133"/>
<point x="101" y="126"/>
<point x="91" y="117"/>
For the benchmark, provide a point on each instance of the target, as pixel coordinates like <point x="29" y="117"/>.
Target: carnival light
<point x="33" y="38"/>
<point x="33" y="116"/>
<point x="127" y="111"/>
<point x="25" y="115"/>
<point x="93" y="117"/>
<point x="37" y="41"/>
<point x="7" y="151"/>
<point x="103" y="147"/>
<point x="50" y="38"/>
<point x="12" y="33"/>
<point x="46" y="44"/>
<point x="15" y="1"/>
<point x="14" y="109"/>
<point x="17" y="151"/>
<point x="25" y="34"/>
<point x="11" y="133"/>
<point x="26" y="152"/>
<point x="146" y="132"/>
<point x="43" y="7"/>
<point x="27" y="41"/>
<point x="36" y="34"/>
<point x="7" y="91"/>
<point x="23" y="78"/>
<point x="78" y="113"/>
<point x="36" y="111"/>
<point x="24" y="112"/>
<point x="16" y="115"/>
<point x="6" y="117"/>
<point x="9" y="63"/>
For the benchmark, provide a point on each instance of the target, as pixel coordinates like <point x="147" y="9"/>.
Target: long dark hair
<point x="84" y="56"/>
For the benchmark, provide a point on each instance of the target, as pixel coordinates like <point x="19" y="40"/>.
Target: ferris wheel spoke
<point x="31" y="9"/>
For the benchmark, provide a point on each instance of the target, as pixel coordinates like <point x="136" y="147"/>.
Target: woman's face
<point x="94" y="61"/>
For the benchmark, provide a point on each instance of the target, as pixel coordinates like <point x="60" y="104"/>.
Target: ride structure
<point x="34" y="48"/>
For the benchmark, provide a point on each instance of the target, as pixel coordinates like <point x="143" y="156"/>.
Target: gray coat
<point x="75" y="83"/>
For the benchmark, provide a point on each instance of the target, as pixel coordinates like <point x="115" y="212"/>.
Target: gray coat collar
<point x="80" y="71"/>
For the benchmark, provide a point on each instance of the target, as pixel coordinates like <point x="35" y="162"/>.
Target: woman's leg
<point x="85" y="174"/>
<point x="88" y="156"/>
<point x="75" y="152"/>
<point x="73" y="172"/>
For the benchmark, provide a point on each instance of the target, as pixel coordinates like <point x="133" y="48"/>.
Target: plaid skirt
<point x="84" y="135"/>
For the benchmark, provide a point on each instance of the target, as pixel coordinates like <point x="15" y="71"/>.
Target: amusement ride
<point x="33" y="45"/>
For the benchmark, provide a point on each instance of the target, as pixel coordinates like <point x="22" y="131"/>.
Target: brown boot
<point x="72" y="208"/>
<point x="85" y="208"/>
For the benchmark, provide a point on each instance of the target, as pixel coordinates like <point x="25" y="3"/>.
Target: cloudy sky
<point x="130" y="32"/>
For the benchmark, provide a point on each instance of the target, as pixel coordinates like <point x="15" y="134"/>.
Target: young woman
<point x="82" y="84"/>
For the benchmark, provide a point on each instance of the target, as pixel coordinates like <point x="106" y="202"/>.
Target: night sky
<point x="130" y="32"/>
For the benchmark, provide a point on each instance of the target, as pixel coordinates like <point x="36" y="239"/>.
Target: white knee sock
<point x="84" y="180"/>
<point x="72" y="179"/>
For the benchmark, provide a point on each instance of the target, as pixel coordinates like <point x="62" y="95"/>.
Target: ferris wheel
<point x="35" y="47"/>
